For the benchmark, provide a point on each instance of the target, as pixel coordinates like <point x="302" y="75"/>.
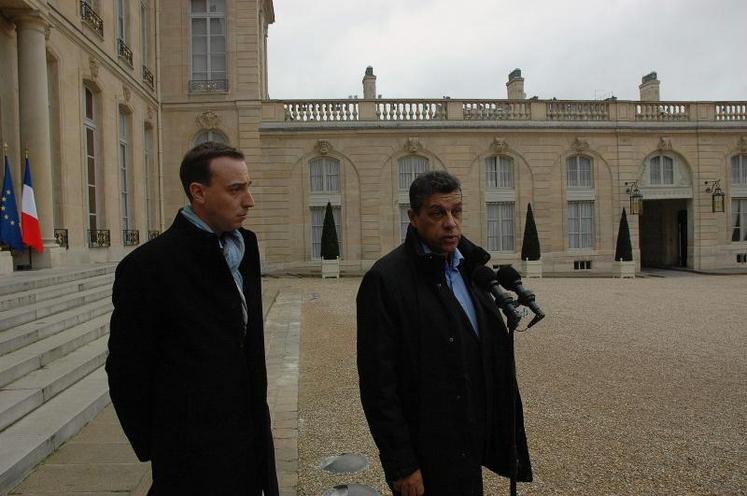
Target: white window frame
<point x="324" y="175"/>
<point x="89" y="126"/>
<point x="124" y="171"/>
<point x="576" y="178"/>
<point x="500" y="226"/>
<point x="738" y="220"/>
<point x="316" y="218"/>
<point x="739" y="169"/>
<point x="499" y="172"/>
<point x="410" y="167"/>
<point x="208" y="16"/>
<point x="580" y="229"/>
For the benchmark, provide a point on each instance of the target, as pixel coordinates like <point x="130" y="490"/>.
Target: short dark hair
<point x="429" y="183"/>
<point x="195" y="166"/>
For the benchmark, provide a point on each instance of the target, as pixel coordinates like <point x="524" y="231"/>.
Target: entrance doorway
<point x="664" y="233"/>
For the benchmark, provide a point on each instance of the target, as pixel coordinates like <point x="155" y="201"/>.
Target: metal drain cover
<point x="351" y="490"/>
<point x="345" y="463"/>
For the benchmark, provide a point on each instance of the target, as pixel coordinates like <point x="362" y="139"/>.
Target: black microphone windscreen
<point x="483" y="277"/>
<point x="507" y="277"/>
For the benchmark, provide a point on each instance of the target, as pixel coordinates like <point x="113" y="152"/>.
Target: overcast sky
<point x="569" y="49"/>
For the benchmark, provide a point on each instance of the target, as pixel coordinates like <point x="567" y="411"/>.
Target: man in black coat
<point x="434" y="357"/>
<point x="186" y="360"/>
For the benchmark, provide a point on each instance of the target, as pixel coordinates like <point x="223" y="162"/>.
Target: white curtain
<point x="500" y="226"/>
<point x="581" y="224"/>
<point x="411" y="167"/>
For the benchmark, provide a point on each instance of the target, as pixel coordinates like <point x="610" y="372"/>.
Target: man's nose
<point x="248" y="200"/>
<point x="449" y="220"/>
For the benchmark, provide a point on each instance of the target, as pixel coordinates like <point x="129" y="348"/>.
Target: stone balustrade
<point x="497" y="110"/>
<point x="308" y="112"/>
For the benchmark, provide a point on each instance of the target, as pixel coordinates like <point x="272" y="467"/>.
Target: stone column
<point x="33" y="98"/>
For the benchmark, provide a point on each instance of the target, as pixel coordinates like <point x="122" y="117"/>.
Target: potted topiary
<point x="330" y="248"/>
<point x="530" y="247"/>
<point x="624" y="264"/>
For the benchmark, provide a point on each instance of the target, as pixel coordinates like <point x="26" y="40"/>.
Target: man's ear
<point x="413" y="217"/>
<point x="197" y="190"/>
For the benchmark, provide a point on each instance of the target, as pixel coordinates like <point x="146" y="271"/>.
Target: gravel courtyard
<point x="630" y="387"/>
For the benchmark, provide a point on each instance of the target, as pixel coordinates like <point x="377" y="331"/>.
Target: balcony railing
<point x="61" y="238"/>
<point x="153" y="234"/>
<point x="327" y="110"/>
<point x="208" y="85"/>
<point x="662" y="111"/>
<point x="91" y="18"/>
<point x="496" y="111"/>
<point x="585" y="113"/>
<point x="124" y="51"/>
<point x="578" y="111"/>
<point x="148" y="78"/>
<point x="99" y="238"/>
<point x="130" y="237"/>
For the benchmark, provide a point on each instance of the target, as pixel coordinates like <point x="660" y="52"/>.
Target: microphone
<point x="486" y="280"/>
<point x="510" y="279"/>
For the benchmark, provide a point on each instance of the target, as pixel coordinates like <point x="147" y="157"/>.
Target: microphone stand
<point x="514" y="448"/>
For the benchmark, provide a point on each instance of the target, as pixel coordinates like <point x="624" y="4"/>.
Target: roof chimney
<point x="515" y="85"/>
<point x="649" y="88"/>
<point x="369" y="84"/>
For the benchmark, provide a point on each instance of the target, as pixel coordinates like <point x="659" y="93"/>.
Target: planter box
<point x="331" y="268"/>
<point x="532" y="268"/>
<point x="624" y="269"/>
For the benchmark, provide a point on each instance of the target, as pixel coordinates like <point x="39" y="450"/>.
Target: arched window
<point x="739" y="197"/>
<point x="125" y="172"/>
<point x="739" y="169"/>
<point x="210" y="135"/>
<point x="324" y="186"/>
<point x="324" y="175"/>
<point x="580" y="198"/>
<point x="91" y="155"/>
<point x="499" y="172"/>
<point x="410" y="167"/>
<point x="661" y="170"/>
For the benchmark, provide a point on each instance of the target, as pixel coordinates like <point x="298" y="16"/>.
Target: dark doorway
<point x="664" y="233"/>
<point x="682" y="238"/>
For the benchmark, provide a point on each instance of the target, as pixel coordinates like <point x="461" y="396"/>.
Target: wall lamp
<point x="636" y="198"/>
<point x="717" y="196"/>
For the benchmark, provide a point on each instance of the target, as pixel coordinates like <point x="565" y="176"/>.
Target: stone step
<point x="31" y="391"/>
<point x="23" y="315"/>
<point x="32" y="296"/>
<point x="23" y="335"/>
<point x="34" y="279"/>
<point x="27" y="442"/>
<point x="17" y="364"/>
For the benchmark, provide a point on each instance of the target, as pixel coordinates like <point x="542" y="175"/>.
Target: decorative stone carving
<point x="47" y="32"/>
<point x="664" y="145"/>
<point x="323" y="147"/>
<point x="208" y="120"/>
<point x="742" y="144"/>
<point x="151" y="113"/>
<point x="94" y="66"/>
<point x="499" y="146"/>
<point x="580" y="145"/>
<point x="127" y="93"/>
<point x="413" y="145"/>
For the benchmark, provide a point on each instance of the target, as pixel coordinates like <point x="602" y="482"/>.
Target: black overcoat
<point x="188" y="385"/>
<point x="414" y="382"/>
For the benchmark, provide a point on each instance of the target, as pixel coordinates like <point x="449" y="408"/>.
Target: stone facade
<point x="355" y="153"/>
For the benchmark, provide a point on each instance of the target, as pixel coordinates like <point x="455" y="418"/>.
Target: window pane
<point x="199" y="6"/>
<point x="317" y="221"/>
<point x="218" y="44"/>
<point x="586" y="178"/>
<point x="333" y="175"/>
<point x="217" y="26"/>
<point x="581" y="224"/>
<point x="491" y="173"/>
<point x="217" y="5"/>
<point x="92" y="199"/>
<point x="90" y="142"/>
<point x="571" y="172"/>
<point x="507" y="227"/>
<point x="89" y="104"/>
<point x="199" y="27"/>
<point x="667" y="170"/>
<point x="217" y="66"/>
<point x="507" y="173"/>
<point x="655" y="170"/>
<point x="409" y="168"/>
<point x="315" y="174"/>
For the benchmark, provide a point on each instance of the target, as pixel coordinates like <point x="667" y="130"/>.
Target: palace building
<point x="107" y="96"/>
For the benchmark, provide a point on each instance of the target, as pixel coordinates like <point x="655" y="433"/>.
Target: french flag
<point x="29" y="219"/>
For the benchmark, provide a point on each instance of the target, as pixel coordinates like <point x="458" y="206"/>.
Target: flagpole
<point x="26" y="157"/>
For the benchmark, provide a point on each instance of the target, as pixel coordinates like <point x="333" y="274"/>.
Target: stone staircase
<point x="53" y="343"/>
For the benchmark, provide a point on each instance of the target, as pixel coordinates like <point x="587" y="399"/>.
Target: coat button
<point x="458" y="397"/>
<point x="451" y="340"/>
<point x="463" y="454"/>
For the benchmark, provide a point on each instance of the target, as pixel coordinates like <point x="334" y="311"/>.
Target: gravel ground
<point x="630" y="387"/>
